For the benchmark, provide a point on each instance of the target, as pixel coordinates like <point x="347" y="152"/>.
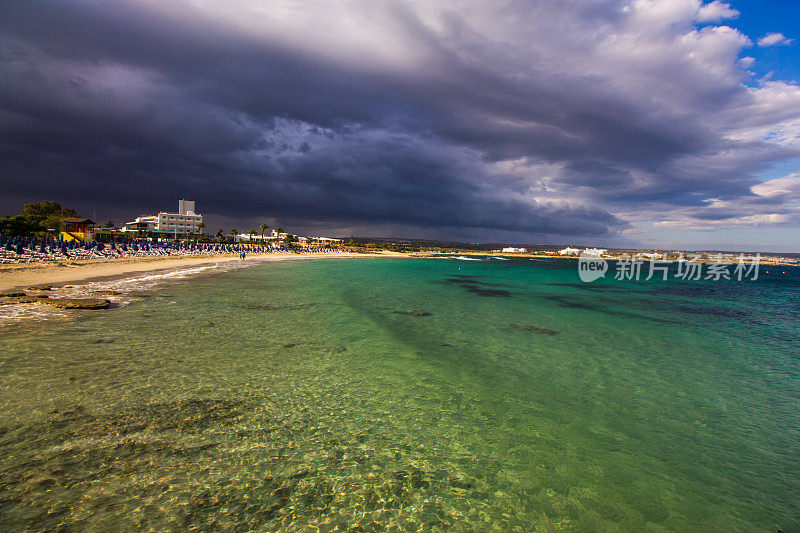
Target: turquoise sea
<point x="408" y="394"/>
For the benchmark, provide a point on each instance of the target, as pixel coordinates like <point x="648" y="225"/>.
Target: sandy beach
<point x="35" y="274"/>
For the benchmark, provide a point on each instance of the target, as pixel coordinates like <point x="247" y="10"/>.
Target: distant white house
<point x="569" y="251"/>
<point x="652" y="256"/>
<point x="594" y="252"/>
<point x="273" y="236"/>
<point x="512" y="250"/>
<point x="269" y="236"/>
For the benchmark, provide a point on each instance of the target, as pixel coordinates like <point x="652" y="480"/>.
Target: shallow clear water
<point x="289" y="395"/>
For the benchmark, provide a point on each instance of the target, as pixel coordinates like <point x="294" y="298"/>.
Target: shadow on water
<point x="600" y="287"/>
<point x="489" y="293"/>
<point x="585" y="304"/>
<point x="464" y="280"/>
<point x="475" y="286"/>
<point x="572" y="303"/>
<point x="422" y="340"/>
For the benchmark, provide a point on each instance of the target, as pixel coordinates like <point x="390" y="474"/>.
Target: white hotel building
<point x="180" y="223"/>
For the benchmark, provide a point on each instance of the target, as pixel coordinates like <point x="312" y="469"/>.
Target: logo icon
<point x="591" y="267"/>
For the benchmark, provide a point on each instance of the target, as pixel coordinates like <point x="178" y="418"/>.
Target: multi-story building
<point x="180" y="223"/>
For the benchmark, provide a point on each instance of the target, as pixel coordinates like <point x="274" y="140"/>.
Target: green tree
<point x="200" y="227"/>
<point x="17" y="225"/>
<point x="47" y="214"/>
<point x="263" y="228"/>
<point x="36" y="218"/>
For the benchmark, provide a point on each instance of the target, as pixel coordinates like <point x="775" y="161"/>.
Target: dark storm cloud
<point x="445" y="126"/>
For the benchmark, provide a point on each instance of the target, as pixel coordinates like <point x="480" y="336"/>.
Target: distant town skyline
<point x="612" y="123"/>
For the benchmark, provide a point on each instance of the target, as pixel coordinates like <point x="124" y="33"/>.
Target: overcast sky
<point x="664" y="123"/>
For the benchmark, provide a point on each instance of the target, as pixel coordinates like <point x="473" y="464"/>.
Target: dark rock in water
<point x="419" y="480"/>
<point x="273" y="307"/>
<point x="481" y="288"/>
<point x="412" y="313"/>
<point x="11" y="294"/>
<point x="191" y="415"/>
<point x="42" y="288"/>
<point x="533" y="329"/>
<point x="463" y="281"/>
<point x="461" y="482"/>
<point x="489" y="293"/>
<point x="79" y="303"/>
<point x="565" y="302"/>
<point x="41" y="296"/>
<point x="107" y="292"/>
<point x="28" y="300"/>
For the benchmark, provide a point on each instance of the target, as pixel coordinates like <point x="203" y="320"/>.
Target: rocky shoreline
<point x="36" y="295"/>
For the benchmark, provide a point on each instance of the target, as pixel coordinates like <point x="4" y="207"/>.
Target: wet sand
<point x="29" y="274"/>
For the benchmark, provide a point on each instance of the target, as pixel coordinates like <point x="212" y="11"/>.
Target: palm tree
<point x="200" y="227"/>
<point x="219" y="234"/>
<point x="263" y="228"/>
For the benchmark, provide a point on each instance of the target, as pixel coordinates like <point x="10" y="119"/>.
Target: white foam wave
<point x="29" y="311"/>
<point x="119" y="291"/>
<point x="174" y="274"/>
